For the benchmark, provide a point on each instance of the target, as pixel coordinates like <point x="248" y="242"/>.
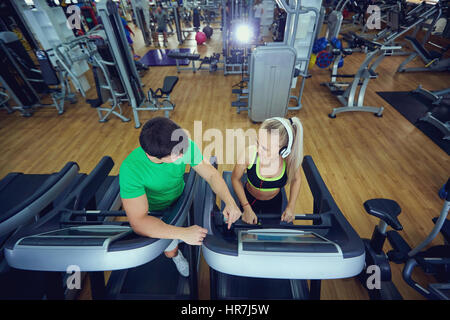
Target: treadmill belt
<point x="22" y="285"/>
<point x="154" y="280"/>
<point x="237" y="288"/>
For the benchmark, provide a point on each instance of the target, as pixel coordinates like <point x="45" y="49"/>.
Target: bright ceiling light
<point x="243" y="33"/>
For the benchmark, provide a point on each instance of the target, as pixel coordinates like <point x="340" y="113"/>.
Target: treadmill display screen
<point x="75" y="237"/>
<point x="306" y="242"/>
<point x="280" y="237"/>
<point x="83" y="233"/>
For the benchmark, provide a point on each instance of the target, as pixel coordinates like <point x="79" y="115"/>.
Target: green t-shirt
<point x="162" y="183"/>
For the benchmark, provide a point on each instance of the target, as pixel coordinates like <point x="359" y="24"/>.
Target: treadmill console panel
<point x="284" y="242"/>
<point x="86" y="236"/>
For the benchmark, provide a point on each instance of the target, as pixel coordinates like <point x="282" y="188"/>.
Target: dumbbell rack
<point x="233" y="66"/>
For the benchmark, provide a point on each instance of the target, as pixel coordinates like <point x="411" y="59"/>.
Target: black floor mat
<point x="413" y="107"/>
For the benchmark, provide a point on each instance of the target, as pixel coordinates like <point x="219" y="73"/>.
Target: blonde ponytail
<point x="295" y="158"/>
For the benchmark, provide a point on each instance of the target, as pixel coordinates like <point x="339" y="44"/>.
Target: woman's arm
<point x="295" y="189"/>
<point x="288" y="214"/>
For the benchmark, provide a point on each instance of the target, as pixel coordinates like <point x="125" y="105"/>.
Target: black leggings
<point x="265" y="206"/>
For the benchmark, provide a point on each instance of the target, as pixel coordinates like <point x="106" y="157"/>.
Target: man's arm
<point x="215" y="180"/>
<point x="218" y="185"/>
<point x="148" y="226"/>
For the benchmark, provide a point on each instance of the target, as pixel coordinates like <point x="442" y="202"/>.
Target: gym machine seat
<point x="386" y="210"/>
<point x="180" y="55"/>
<point x="166" y="90"/>
<point x="164" y="94"/>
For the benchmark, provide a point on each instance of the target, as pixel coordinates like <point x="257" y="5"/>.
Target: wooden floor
<point x="359" y="155"/>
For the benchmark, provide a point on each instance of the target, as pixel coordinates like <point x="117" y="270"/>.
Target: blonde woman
<point x="270" y="164"/>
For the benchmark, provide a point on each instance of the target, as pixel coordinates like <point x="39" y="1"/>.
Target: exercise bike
<point x="376" y="260"/>
<point x="433" y="261"/>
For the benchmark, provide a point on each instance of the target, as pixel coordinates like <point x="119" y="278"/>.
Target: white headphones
<point x="285" y="151"/>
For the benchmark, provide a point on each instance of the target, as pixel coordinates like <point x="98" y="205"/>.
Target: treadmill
<point x="273" y="259"/>
<point x="156" y="277"/>
<point x="90" y="240"/>
<point x="24" y="198"/>
<point x="68" y="188"/>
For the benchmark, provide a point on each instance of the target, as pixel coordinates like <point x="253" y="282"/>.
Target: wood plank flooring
<point x="359" y="155"/>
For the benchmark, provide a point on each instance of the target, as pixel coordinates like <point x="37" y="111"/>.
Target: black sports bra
<point x="265" y="184"/>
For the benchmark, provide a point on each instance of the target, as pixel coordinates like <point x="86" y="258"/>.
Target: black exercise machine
<point x="387" y="211"/>
<point x="84" y="229"/>
<point x="31" y="198"/>
<point x="212" y="61"/>
<point x="25" y="83"/>
<point x="439" y="114"/>
<point x="83" y="191"/>
<point x="434" y="260"/>
<point x="273" y="260"/>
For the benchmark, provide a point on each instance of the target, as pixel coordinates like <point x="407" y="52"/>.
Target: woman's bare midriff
<point x="262" y="195"/>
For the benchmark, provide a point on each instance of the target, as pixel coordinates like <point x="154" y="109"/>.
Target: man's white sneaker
<point x="181" y="264"/>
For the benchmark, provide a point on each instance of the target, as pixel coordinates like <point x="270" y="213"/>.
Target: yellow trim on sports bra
<point x="262" y="189"/>
<point x="270" y="179"/>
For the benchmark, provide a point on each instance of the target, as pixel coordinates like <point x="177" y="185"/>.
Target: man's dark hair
<point x="156" y="138"/>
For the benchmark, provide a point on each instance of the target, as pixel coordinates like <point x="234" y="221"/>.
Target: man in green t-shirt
<point x="151" y="178"/>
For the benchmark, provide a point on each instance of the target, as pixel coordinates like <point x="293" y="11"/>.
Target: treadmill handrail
<point x="136" y="240"/>
<point x="74" y="198"/>
<point x="38" y="200"/>
<point x="78" y="198"/>
<point x="353" y="245"/>
<point x="186" y="197"/>
<point x="132" y="241"/>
